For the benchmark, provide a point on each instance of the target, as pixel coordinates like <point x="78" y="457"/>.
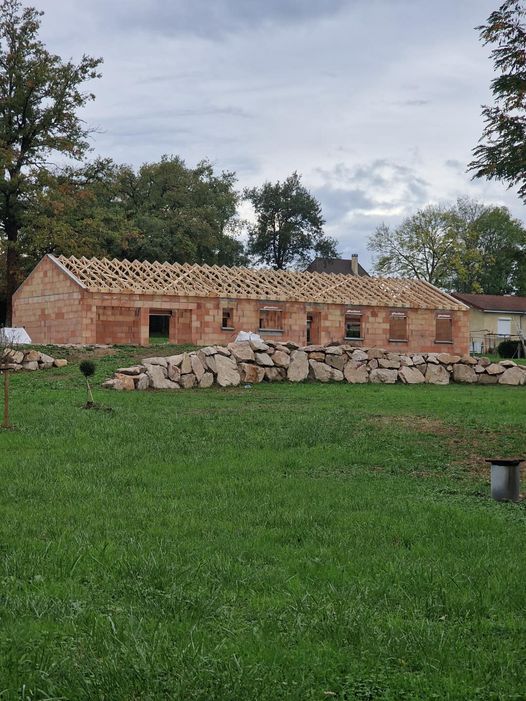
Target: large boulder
<point x="264" y="360"/>
<point x="133" y="370"/>
<point x="383" y="376"/>
<point x="336" y="375"/>
<point x="319" y="371"/>
<point x="252" y="374"/>
<point x="448" y="358"/>
<point x="186" y="364"/>
<point x="188" y="381"/>
<point x="241" y="351"/>
<point x="158" y="377"/>
<point x="259" y="346"/>
<point x="275" y="374"/>
<point x="334" y="350"/>
<point x="464" y="373"/>
<point x="488" y="379"/>
<point x="127" y="381"/>
<point x="388" y="364"/>
<point x="207" y="380"/>
<point x="13" y="356"/>
<point x="437" y="375"/>
<point x="410" y="375"/>
<point x="336" y="361"/>
<point x="281" y="359"/>
<point x="356" y="374"/>
<point x="197" y="367"/>
<point x="375" y="353"/>
<point x="31" y="356"/>
<point x="210" y="363"/>
<point x="175" y="360"/>
<point x="142" y="381"/>
<point x="513" y="376"/>
<point x="174" y="372"/>
<point x="495" y="369"/>
<point x="227" y="372"/>
<point x="359" y="354"/>
<point x="163" y="362"/>
<point x="30" y="365"/>
<point x="299" y="366"/>
<point x="60" y="362"/>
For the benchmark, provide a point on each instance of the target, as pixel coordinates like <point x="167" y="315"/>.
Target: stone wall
<point x="252" y="362"/>
<point x="16" y="360"/>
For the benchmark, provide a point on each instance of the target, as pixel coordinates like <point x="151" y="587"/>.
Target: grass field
<point x="279" y="542"/>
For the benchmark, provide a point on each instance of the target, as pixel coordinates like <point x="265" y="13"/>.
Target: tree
<point x="40" y="96"/>
<point x="466" y="247"/>
<point x="490" y="252"/>
<point x="181" y="214"/>
<point x="7" y="349"/>
<point x="75" y="212"/>
<point x="501" y="152"/>
<point x="421" y="247"/>
<point x="289" y="225"/>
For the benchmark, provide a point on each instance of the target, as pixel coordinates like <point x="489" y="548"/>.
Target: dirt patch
<point x="467" y="446"/>
<point x="419" y="424"/>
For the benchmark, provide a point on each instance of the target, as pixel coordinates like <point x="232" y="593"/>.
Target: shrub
<point x="510" y="349"/>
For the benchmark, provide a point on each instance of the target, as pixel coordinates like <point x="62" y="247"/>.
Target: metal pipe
<point x="505" y="478"/>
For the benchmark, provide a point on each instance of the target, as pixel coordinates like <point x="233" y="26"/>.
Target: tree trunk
<point x="12" y="267"/>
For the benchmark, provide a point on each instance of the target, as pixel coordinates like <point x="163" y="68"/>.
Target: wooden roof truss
<point x="123" y="276"/>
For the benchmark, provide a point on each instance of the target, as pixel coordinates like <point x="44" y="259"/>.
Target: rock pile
<point x="16" y="360"/>
<point x="250" y="362"/>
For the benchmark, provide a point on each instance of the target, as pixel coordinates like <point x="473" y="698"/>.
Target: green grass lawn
<point x="279" y="542"/>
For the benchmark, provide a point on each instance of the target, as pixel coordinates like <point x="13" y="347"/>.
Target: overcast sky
<point x="375" y="102"/>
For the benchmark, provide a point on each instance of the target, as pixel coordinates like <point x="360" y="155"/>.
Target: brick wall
<point x="49" y="306"/>
<point x="54" y="309"/>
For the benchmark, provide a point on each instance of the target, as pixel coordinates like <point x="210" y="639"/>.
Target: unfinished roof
<point x="493" y="303"/>
<point x="123" y="276"/>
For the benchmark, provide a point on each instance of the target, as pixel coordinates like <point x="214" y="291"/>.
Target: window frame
<point x="398" y="315"/>
<point x="271" y="310"/>
<point x="443" y="316"/>
<point x="231" y="314"/>
<point x="355" y="315"/>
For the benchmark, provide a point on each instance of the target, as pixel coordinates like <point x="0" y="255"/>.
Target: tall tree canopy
<point x="501" y="153"/>
<point x="421" y="247"/>
<point x="182" y="214"/>
<point x="467" y="247"/>
<point x="40" y="96"/>
<point x="289" y="225"/>
<point x="164" y="211"/>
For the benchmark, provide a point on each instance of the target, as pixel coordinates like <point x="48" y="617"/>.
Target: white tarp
<point x="14" y="336"/>
<point x="248" y="336"/>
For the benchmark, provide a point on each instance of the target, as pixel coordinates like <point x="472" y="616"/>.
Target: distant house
<point x="340" y="266"/>
<point x="494" y="318"/>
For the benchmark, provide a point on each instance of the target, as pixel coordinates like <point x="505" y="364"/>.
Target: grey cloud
<point x="216" y="18"/>
<point x="337" y="202"/>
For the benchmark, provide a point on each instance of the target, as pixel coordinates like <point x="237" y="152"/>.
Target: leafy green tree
<point x="501" y="153"/>
<point x="467" y="247"/>
<point x="75" y="211"/>
<point x="40" y="96"/>
<point x="422" y="246"/>
<point x="490" y="253"/>
<point x="182" y="214"/>
<point x="289" y="225"/>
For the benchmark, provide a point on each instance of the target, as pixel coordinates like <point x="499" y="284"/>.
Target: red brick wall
<point x="48" y="306"/>
<point x="54" y="309"/>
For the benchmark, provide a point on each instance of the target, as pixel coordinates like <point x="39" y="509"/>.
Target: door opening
<point x="159" y="327"/>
